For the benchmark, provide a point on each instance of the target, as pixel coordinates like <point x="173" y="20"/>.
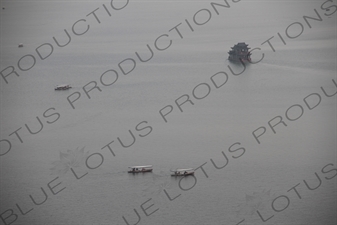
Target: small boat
<point x="140" y="169"/>
<point x="183" y="172"/>
<point x="240" y="52"/>
<point x="62" y="87"/>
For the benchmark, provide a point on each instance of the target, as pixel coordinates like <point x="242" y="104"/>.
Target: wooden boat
<point x="62" y="87"/>
<point x="183" y="172"/>
<point x="240" y="52"/>
<point x="140" y="169"/>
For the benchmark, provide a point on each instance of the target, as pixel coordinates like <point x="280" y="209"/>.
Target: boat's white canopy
<point x="148" y="166"/>
<point x="182" y="170"/>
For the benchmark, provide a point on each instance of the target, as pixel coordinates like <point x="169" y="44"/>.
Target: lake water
<point x="261" y="136"/>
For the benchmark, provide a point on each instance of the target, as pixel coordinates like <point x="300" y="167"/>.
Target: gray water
<point x="264" y="181"/>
